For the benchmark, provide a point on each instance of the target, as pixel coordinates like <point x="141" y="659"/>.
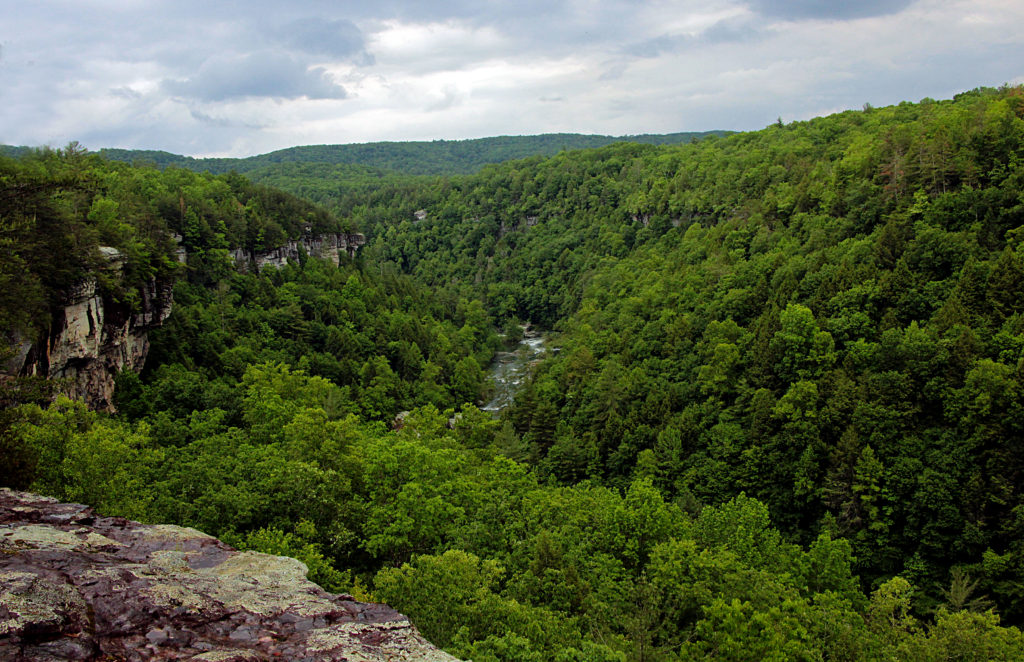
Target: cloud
<point x="338" y="39"/>
<point x="662" y="44"/>
<point x="125" y="93"/>
<point x="431" y="47"/>
<point x="795" y="10"/>
<point x="449" y="98"/>
<point x="262" y="74"/>
<point x="227" y="78"/>
<point x="700" y="32"/>
<point x="209" y="119"/>
<point x="223" y="122"/>
<point x="739" y="30"/>
<point x="613" y="70"/>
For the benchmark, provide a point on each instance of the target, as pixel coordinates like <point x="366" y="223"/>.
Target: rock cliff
<point x="92" y="338"/>
<point x="76" y="586"/>
<point x="329" y="246"/>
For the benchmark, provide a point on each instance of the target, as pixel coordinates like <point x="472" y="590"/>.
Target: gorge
<point x="784" y="420"/>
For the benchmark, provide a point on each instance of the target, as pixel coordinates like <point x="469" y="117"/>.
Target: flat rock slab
<point x="77" y="586"/>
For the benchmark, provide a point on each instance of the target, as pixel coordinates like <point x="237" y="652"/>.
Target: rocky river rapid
<point x="508" y="370"/>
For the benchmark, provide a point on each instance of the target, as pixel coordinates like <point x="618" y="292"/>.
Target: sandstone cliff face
<point x="76" y="586"/>
<point x="91" y="339"/>
<point x="330" y="247"/>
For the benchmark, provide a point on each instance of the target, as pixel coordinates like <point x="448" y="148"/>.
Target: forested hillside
<point x="59" y="208"/>
<point x="783" y="421"/>
<point x="824" y="315"/>
<point x="437" y="157"/>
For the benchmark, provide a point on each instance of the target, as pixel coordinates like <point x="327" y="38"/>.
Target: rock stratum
<point x="327" y="247"/>
<point x="92" y="338"/>
<point x="77" y="586"/>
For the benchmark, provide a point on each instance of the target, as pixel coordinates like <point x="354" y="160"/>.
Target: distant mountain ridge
<point x="438" y="157"/>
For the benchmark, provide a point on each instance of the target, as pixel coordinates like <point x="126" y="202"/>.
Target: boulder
<point x="77" y="586"/>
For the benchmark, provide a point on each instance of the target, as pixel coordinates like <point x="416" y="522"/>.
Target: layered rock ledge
<point x="77" y="586"/>
<point x="328" y="247"/>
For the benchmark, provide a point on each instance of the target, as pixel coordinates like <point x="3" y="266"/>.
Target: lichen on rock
<point x="30" y="600"/>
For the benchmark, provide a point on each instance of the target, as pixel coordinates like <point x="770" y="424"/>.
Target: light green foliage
<point x="743" y="526"/>
<point x="735" y="631"/>
<point x="643" y="520"/>
<point x="274" y="395"/>
<point x="109" y="466"/>
<point x="888" y="614"/>
<point x="47" y="434"/>
<point x="85" y="459"/>
<point x="800" y="348"/>
<point x="829" y="568"/>
<point x="297" y="545"/>
<point x="973" y="637"/>
<point x="455" y="593"/>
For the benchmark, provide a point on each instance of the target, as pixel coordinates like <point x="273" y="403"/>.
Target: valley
<point x="783" y="421"/>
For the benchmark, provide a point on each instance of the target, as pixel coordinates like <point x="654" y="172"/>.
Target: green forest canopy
<point x="783" y="421"/>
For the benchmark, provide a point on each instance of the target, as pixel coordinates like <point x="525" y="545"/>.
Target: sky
<point x="227" y="78"/>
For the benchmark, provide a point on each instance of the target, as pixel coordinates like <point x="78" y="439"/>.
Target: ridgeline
<point x="437" y="157"/>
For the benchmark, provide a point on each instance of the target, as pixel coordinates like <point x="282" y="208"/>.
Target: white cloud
<point x="232" y="79"/>
<point x="423" y="47"/>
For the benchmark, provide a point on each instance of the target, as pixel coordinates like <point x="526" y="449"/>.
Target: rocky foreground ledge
<point x="77" y="586"/>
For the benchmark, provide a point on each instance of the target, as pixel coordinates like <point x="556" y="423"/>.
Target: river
<point x="508" y="370"/>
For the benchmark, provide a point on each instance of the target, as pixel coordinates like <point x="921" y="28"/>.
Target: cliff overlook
<point x="77" y="586"/>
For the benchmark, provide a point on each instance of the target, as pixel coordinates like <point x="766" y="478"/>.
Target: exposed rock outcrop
<point x="516" y="226"/>
<point x="92" y="338"/>
<point x="328" y="246"/>
<point x="76" y="586"/>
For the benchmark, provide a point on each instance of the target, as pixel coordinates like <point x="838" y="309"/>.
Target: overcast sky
<point x="212" y="78"/>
